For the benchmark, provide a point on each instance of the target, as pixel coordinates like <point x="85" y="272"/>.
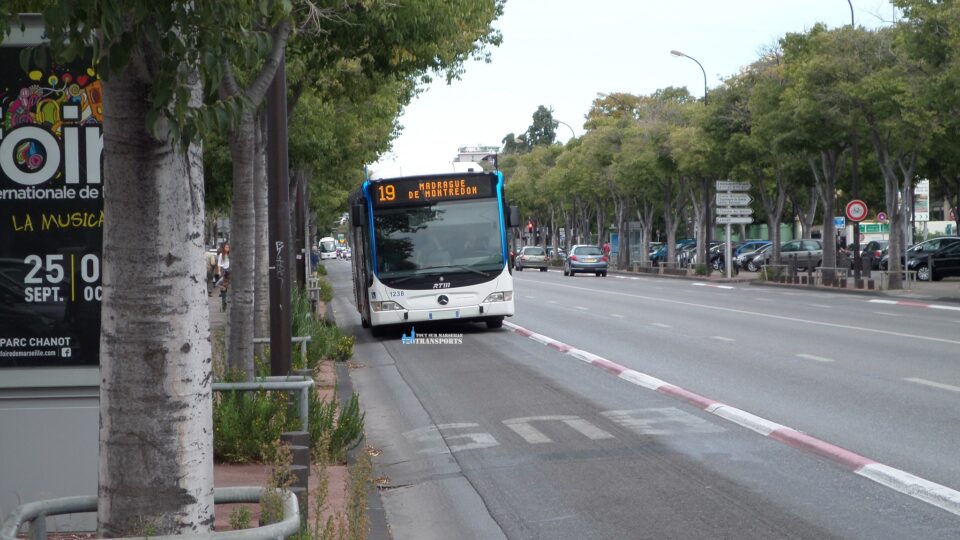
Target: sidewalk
<point x="257" y="474"/>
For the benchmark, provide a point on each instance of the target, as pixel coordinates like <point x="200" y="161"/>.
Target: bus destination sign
<point x="427" y="189"/>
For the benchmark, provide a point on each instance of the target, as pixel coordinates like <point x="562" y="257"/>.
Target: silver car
<point x="530" y="257"/>
<point x="585" y="259"/>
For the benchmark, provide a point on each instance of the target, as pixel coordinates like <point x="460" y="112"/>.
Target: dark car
<point x="752" y="260"/>
<point x="585" y="259"/>
<point x="936" y="265"/>
<point x="921" y="250"/>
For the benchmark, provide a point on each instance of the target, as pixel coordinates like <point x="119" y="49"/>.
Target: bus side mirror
<point x="356" y="215"/>
<point x="514" y="216"/>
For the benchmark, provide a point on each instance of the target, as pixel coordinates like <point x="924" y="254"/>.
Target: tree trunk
<point x="773" y="205"/>
<point x="825" y="174"/>
<point x="261" y="279"/>
<point x="155" y="455"/>
<point x="242" y="241"/>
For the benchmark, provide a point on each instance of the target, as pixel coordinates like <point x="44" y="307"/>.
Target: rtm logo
<point x="441" y="285"/>
<point x="40" y="159"/>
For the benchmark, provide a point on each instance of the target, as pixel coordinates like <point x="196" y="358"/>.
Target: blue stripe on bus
<point x="373" y="245"/>
<point x="503" y="215"/>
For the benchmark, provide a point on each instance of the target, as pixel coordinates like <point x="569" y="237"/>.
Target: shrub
<point x="246" y="424"/>
<point x="333" y="435"/>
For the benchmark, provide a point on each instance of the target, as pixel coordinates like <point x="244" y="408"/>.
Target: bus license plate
<point x="447" y="314"/>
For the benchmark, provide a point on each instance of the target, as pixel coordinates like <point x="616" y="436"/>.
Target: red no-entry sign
<point x="856" y="210"/>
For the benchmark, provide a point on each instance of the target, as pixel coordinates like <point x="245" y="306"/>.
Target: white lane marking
<point x="758" y="314"/>
<point x="938" y="306"/>
<point x="888" y="302"/>
<point x="528" y="296"/>
<point x="552" y="302"/>
<point x="698" y="284"/>
<point x="821" y="306"/>
<point x="722" y="338"/>
<point x="933" y="384"/>
<point x="913" y="486"/>
<point x="661" y="325"/>
<point x="524" y="428"/>
<point x="616" y="315"/>
<point x="888" y="314"/>
<point x="814" y="357"/>
<point x="431" y="436"/>
<point x="583" y="308"/>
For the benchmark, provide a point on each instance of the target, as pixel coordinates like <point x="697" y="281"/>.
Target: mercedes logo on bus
<point x="443" y="300"/>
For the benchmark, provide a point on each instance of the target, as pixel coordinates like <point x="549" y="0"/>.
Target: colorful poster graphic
<point x="51" y="213"/>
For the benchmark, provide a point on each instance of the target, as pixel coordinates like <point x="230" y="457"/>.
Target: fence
<point x="299" y="384"/>
<point x="34" y="515"/>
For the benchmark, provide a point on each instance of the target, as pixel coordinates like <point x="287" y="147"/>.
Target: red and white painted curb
<point x="902" y="481"/>
<point x="911" y="303"/>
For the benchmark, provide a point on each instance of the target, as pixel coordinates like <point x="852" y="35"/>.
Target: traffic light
<point x="529" y="226"/>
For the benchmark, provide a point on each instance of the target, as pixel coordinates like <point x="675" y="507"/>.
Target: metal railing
<point x="302" y="340"/>
<point x="34" y="514"/>
<point x="296" y="383"/>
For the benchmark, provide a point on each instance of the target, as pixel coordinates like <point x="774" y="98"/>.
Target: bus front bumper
<point x="465" y="313"/>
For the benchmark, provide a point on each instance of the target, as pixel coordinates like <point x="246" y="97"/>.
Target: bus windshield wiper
<point x="459" y="267"/>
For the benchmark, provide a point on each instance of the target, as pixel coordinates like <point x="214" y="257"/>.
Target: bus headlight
<point x="502" y="296"/>
<point x="386" y="306"/>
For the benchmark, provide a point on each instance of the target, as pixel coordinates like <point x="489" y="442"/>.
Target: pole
<point x="728" y="262"/>
<point x="279" y="218"/>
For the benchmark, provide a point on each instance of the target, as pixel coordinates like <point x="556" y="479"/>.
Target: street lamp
<point x="678" y="53"/>
<point x="573" y="134"/>
<point x="706" y="189"/>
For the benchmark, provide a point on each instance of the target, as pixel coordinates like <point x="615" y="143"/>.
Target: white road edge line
<point x="933" y="384"/>
<point x="814" y="357"/>
<point x="722" y="338"/>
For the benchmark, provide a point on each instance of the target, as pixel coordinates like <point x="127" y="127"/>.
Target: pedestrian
<point x="606" y="249"/>
<point x="223" y="264"/>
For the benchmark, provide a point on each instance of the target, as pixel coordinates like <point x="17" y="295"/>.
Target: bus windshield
<point x="451" y="236"/>
<point x="328" y="245"/>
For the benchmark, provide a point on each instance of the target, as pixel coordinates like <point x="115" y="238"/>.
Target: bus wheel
<point x="494" y="322"/>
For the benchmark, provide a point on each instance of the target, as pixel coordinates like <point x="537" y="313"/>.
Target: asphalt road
<point x="501" y="436"/>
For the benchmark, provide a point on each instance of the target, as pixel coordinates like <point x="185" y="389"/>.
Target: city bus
<point x="328" y="248"/>
<point x="432" y="247"/>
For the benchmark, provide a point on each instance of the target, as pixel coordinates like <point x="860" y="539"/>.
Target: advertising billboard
<point x="51" y="210"/>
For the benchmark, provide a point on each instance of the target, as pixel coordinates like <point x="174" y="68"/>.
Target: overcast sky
<point x="562" y="53"/>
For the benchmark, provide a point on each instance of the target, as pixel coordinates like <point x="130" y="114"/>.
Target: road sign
<point x="733" y="199"/>
<point x="734" y="211"/>
<point x="839" y="222"/>
<point x="726" y="185"/>
<point x="856" y="210"/>
<point x="734" y="220"/>
<point x="882" y="216"/>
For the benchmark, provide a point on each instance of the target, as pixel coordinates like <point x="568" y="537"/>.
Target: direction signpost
<point x="732" y="209"/>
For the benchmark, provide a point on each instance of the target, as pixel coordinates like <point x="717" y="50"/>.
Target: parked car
<point x="750" y="245"/>
<point x="944" y="262"/>
<point x="807" y="253"/>
<point x="530" y="257"/>
<point x="875" y="249"/>
<point x="920" y="249"/>
<point x="585" y="259"/>
<point x="752" y="260"/>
